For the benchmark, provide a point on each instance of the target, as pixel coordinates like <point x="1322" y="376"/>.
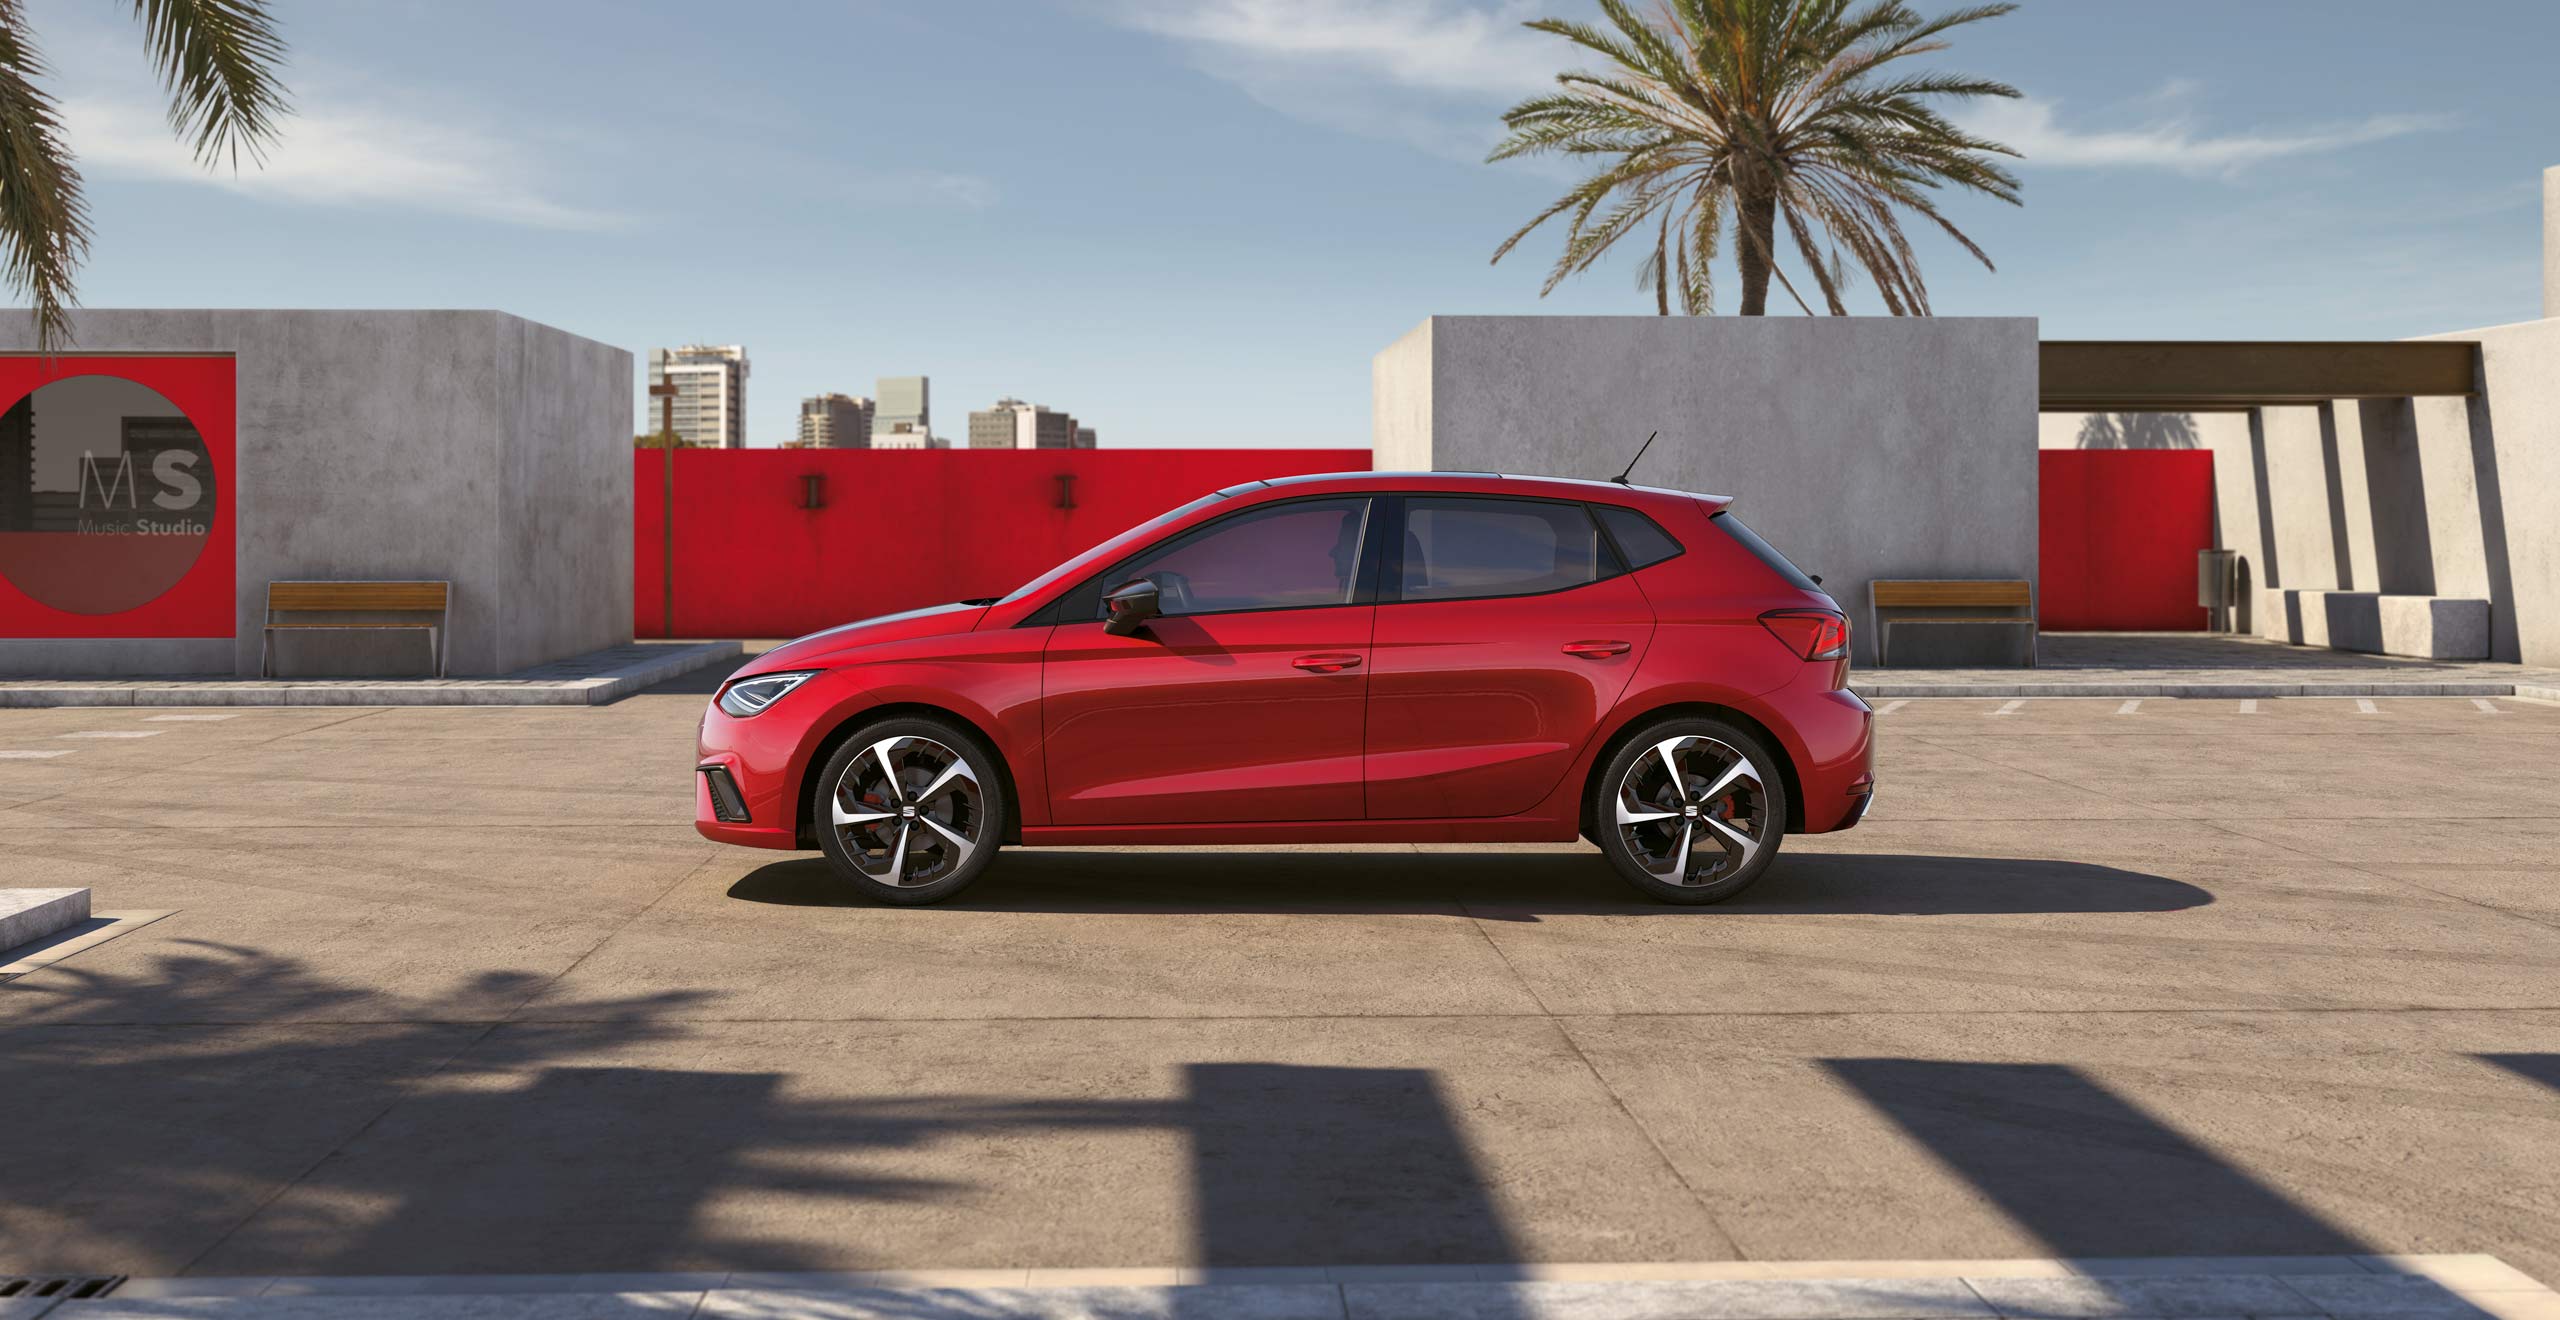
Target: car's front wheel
<point x="1690" y="810"/>
<point x="910" y="810"/>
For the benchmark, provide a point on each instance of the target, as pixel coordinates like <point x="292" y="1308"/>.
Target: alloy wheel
<point x="1692" y="811"/>
<point x="909" y="811"/>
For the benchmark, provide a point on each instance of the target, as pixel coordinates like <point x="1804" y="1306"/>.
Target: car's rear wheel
<point x="910" y="810"/>
<point x="1690" y="810"/>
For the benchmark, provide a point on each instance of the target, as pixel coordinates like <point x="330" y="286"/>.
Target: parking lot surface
<point x="460" y="991"/>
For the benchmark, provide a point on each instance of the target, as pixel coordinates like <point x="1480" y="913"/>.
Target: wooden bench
<point x="411" y="598"/>
<point x="1941" y="598"/>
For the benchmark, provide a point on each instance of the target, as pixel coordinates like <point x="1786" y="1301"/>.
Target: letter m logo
<point x="94" y="471"/>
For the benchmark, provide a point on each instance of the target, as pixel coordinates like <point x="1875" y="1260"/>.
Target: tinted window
<point x="1638" y="538"/>
<point x="1456" y="548"/>
<point x="1283" y="556"/>
<point x="1764" y="552"/>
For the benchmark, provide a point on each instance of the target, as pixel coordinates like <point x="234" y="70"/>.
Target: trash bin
<point x="2218" y="585"/>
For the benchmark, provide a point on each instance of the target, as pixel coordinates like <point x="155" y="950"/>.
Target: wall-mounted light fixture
<point x="813" y="490"/>
<point x="1066" y="490"/>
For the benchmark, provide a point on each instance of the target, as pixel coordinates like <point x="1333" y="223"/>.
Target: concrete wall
<point x="470" y="446"/>
<point x="2551" y="242"/>
<point x="1863" y="447"/>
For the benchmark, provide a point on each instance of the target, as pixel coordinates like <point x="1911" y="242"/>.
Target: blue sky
<point x="1192" y="222"/>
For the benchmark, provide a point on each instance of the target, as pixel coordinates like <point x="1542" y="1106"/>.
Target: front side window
<point x="1300" y="555"/>
<point x="1456" y="548"/>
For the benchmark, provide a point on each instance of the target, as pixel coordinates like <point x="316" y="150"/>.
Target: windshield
<point x="1115" y="545"/>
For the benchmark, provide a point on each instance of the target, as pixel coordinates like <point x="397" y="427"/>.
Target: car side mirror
<point x="1129" y="607"/>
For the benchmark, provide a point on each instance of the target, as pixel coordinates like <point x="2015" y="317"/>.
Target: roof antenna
<point x="1621" y="478"/>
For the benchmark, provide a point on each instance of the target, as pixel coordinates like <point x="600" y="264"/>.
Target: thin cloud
<point x="1429" y="73"/>
<point x="337" y="155"/>
<point x="2175" y="142"/>
<point x="1429" y="45"/>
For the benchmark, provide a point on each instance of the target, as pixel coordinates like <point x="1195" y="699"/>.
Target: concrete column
<point x="2551" y="242"/>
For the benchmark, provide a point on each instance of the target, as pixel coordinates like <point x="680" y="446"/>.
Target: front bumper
<point x="764" y="757"/>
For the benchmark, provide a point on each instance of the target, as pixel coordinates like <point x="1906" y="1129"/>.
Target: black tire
<point x="1645" y="852"/>
<point x="866" y="853"/>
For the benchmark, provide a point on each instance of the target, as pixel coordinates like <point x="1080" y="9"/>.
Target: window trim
<point x="1626" y="561"/>
<point x="1391" y="583"/>
<point x="1365" y="575"/>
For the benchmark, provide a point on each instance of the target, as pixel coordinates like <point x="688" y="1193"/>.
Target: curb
<point x="2436" y="1287"/>
<point x="596" y="690"/>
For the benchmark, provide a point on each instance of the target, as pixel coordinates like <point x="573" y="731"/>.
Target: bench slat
<point x="1949" y="618"/>
<point x="357" y="595"/>
<point x="354" y="627"/>
<point x="1921" y="593"/>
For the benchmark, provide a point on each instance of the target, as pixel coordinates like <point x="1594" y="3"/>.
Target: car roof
<point x="1575" y="488"/>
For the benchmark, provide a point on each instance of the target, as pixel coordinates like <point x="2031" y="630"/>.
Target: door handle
<point x="1596" y="650"/>
<point x="1329" y="662"/>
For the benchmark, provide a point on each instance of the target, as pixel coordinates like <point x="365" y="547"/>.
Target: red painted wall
<point x="900" y="528"/>
<point x="2119" y="530"/>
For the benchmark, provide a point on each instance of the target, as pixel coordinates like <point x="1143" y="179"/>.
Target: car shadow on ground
<point x="1509" y="886"/>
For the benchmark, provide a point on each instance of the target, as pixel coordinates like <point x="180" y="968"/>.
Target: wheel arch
<point x="1626" y="732"/>
<point x="804" y="796"/>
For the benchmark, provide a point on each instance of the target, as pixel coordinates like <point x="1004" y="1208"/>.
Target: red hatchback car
<point x="1434" y="657"/>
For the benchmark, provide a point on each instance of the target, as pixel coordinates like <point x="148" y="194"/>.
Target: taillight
<point x="1813" y="634"/>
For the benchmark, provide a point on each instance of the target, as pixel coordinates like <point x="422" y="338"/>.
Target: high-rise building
<point x="903" y="419"/>
<point x="711" y="393"/>
<point x="835" y="421"/>
<point x="1013" y="424"/>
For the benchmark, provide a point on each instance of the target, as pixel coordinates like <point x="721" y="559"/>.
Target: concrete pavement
<point x="459" y="991"/>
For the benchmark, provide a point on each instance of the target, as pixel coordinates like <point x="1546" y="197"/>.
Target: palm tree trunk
<point x="1757" y="213"/>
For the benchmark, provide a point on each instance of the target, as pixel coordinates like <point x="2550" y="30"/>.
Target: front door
<point x="1504" y="633"/>
<point x="1243" y="701"/>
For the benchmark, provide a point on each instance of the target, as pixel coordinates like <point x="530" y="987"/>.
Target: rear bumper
<point x="1834" y="733"/>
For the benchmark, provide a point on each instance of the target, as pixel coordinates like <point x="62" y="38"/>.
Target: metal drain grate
<point x="61" y="1287"/>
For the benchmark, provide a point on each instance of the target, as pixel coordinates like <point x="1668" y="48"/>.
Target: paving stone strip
<point x="2197" y="1288"/>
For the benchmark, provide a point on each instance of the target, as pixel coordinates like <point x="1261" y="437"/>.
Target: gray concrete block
<point x="64" y="695"/>
<point x="1216" y="1302"/>
<point x="1793" y="1299"/>
<point x="2132" y="1295"/>
<point x="28" y="915"/>
<point x="2425" y="627"/>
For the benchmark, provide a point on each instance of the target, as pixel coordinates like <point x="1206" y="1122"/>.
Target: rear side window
<point x="1457" y="548"/>
<point x="1638" y="538"/>
<point x="1764" y="552"/>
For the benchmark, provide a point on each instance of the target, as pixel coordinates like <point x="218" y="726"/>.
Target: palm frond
<point x="44" y="222"/>
<point x="219" y="60"/>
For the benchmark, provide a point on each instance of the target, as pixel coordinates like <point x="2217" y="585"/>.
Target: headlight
<point x="749" y="696"/>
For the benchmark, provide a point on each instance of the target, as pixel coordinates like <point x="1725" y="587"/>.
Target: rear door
<point x="1505" y="629"/>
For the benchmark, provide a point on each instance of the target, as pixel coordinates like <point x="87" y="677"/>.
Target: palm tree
<point x="1733" y="115"/>
<point x="217" y="58"/>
